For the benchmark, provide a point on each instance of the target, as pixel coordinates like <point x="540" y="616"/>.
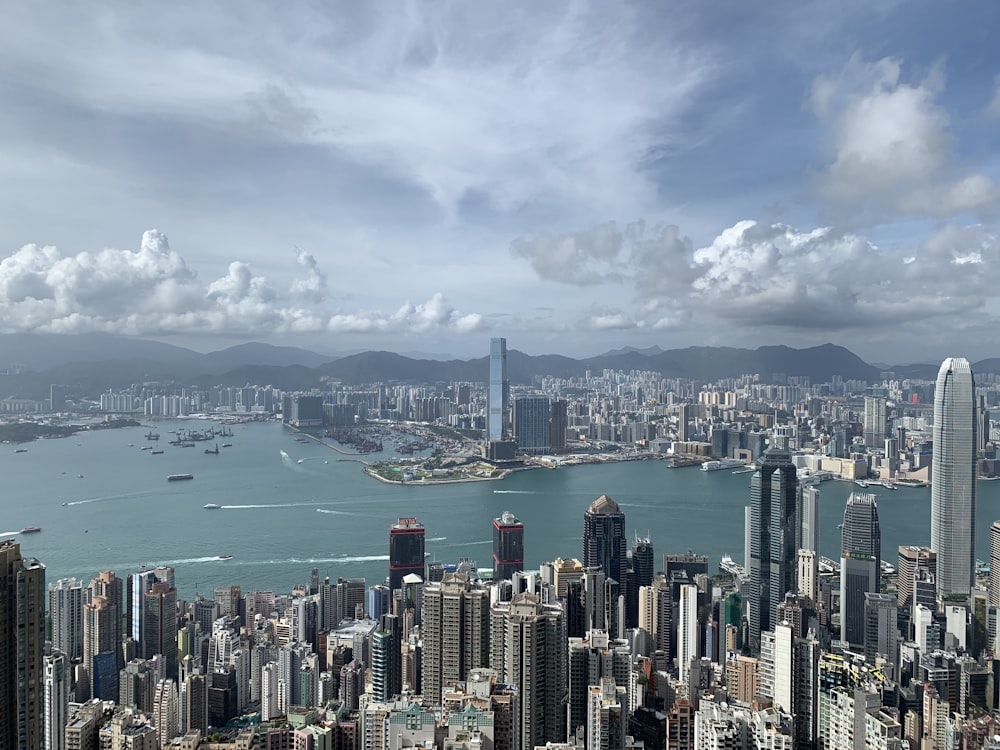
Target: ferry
<point x="725" y="463"/>
<point x="211" y="506"/>
<point x="861" y="482"/>
<point x="31" y="529"/>
<point x="179" y="477"/>
<point x="745" y="470"/>
<point x="728" y="565"/>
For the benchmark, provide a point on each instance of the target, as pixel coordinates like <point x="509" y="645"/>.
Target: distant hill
<point x="93" y="362"/>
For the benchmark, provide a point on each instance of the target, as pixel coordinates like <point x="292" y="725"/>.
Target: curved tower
<point x="953" y="478"/>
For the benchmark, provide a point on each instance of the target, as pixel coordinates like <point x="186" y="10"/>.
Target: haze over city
<point x="578" y="176"/>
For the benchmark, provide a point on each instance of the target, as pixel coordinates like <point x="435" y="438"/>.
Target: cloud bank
<point x="152" y="291"/>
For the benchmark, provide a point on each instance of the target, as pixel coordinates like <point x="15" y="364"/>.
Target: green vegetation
<point x="25" y="432"/>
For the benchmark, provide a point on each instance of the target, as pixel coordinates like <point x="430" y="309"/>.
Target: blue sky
<point x="575" y="176"/>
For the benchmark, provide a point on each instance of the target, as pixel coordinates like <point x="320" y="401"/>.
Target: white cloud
<point x="152" y="291"/>
<point x="578" y="258"/>
<point x="892" y="146"/>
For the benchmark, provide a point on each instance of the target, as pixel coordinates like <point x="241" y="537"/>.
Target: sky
<point x="574" y="176"/>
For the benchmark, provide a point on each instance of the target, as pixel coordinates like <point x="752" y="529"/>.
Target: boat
<point x="31" y="529"/>
<point x="152" y="436"/>
<point x="227" y="445"/>
<point x="225" y="557"/>
<point x="745" y="470"/>
<point x="156" y="453"/>
<point x="211" y="452"/>
<point x="725" y="463"/>
<point x="212" y="506"/>
<point x="21" y="450"/>
<point x="146" y="448"/>
<point x="861" y="482"/>
<point x="889" y="485"/>
<point x="179" y="477"/>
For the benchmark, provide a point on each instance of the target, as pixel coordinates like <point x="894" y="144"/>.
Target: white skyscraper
<point x="498" y="396"/>
<point x="66" y="610"/>
<point x="953" y="477"/>
<point x="166" y="711"/>
<point x="56" y="699"/>
<point x="687" y="629"/>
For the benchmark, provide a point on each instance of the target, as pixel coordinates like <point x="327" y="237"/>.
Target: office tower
<point x="607" y="716"/>
<point x="860" y="560"/>
<point x="953" y="478"/>
<point x="881" y="632"/>
<point x="683" y="418"/>
<point x="159" y="623"/>
<point x="498" y="397"/>
<point x="774" y="490"/>
<point x="747" y="535"/>
<point x="137" y="586"/>
<point x="591" y="659"/>
<point x="227" y="601"/>
<point x="808" y="573"/>
<point x="222" y="696"/>
<point x="528" y="650"/>
<point x="874" y="422"/>
<point x="531" y="425"/>
<point x="166" y="711"/>
<point x="604" y="543"/>
<point x="994" y="590"/>
<point x="914" y="563"/>
<point x="406" y="552"/>
<point x="269" y="678"/>
<point x="56" y="699"/>
<point x="558" y="425"/>
<point x="66" y="611"/>
<point x="387" y="668"/>
<point x="641" y="570"/>
<point x="379" y="602"/>
<point x="809" y="518"/>
<point x="22" y="641"/>
<point x="196" y="702"/>
<point x="455" y="630"/>
<point x="688" y="631"/>
<point x="101" y="635"/>
<point x="508" y="546"/>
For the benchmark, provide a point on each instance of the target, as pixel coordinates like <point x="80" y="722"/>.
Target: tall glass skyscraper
<point x="604" y="543"/>
<point x="774" y="531"/>
<point x="861" y="553"/>
<point x="498" y="397"/>
<point x="531" y="424"/>
<point x="953" y="478"/>
<point x="406" y="551"/>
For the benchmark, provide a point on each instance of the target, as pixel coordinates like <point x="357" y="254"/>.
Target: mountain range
<point x="96" y="362"/>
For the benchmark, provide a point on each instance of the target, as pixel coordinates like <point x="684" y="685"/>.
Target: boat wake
<point x="340" y="512"/>
<point x="437" y="539"/>
<point x="515" y="492"/>
<point x="109" y="498"/>
<point x="191" y="560"/>
<point x="319" y="560"/>
<point x="468" y="544"/>
<point x="277" y="505"/>
<point x="9" y="533"/>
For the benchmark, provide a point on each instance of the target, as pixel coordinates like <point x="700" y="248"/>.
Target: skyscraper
<point x="861" y="553"/>
<point x="508" y="546"/>
<point x="874" y="424"/>
<point x="995" y="564"/>
<point x="56" y="699"/>
<point x="498" y="397"/>
<point x="774" y="530"/>
<point x="406" y="551"/>
<point x="809" y="519"/>
<point x="22" y="640"/>
<point x="604" y="543"/>
<point x="558" y="425"/>
<point x="66" y="611"/>
<point x="455" y="630"/>
<point x="531" y="424"/>
<point x="528" y="650"/>
<point x="953" y="478"/>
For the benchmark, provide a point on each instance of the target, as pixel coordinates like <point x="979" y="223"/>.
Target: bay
<point x="289" y="507"/>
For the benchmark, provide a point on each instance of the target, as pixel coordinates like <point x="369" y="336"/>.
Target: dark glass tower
<point x="406" y="551"/>
<point x="774" y="490"/>
<point x="642" y="568"/>
<point x="508" y="546"/>
<point x="604" y="543"/>
<point x="861" y="551"/>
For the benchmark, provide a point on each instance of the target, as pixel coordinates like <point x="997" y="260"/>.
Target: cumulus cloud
<point x="312" y="286"/>
<point x="151" y="291"/>
<point x="892" y="149"/>
<point x="578" y="258"/>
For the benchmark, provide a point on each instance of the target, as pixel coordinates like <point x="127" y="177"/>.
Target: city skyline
<point x="448" y="173"/>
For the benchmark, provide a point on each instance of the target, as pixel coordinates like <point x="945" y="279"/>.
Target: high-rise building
<point x="874" y="422"/>
<point x="387" y="667"/>
<point x="406" y="551"/>
<point x="498" y="397"/>
<point x="66" y="611"/>
<point x="683" y="418"/>
<point x="558" y="425"/>
<point x="953" y="478"/>
<point x="531" y="424"/>
<point x="508" y="546"/>
<point x="22" y="641"/>
<point x="881" y="632"/>
<point x="860" y="559"/>
<point x="455" y="630"/>
<point x="914" y="563"/>
<point x="607" y="716"/>
<point x="528" y="650"/>
<point x="591" y="659"/>
<point x="56" y="700"/>
<point x="995" y="564"/>
<point x="159" y="621"/>
<point x="774" y="530"/>
<point x="688" y="632"/>
<point x="604" y="542"/>
<point x="166" y="711"/>
<point x="809" y="519"/>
